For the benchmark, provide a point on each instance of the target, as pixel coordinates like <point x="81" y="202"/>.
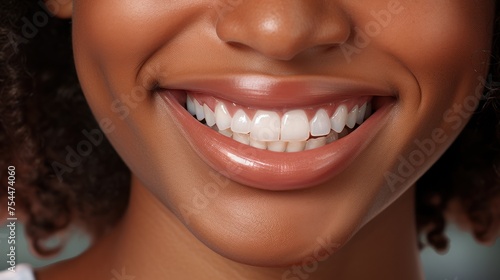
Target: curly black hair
<point x="43" y="115"/>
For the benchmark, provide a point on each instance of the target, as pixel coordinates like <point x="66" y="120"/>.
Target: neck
<point x="151" y="243"/>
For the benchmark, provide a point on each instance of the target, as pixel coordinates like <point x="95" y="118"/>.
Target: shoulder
<point x="22" y="272"/>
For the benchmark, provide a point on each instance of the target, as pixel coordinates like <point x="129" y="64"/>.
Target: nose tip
<point x="282" y="29"/>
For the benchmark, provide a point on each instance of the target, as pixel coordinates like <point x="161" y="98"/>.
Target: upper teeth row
<point x="267" y="126"/>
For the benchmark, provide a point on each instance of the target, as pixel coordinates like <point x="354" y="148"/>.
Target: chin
<point x="269" y="245"/>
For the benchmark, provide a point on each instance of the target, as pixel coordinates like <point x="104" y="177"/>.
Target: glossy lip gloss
<point x="265" y="169"/>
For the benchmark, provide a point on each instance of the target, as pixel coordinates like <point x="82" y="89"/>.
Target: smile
<point x="277" y="130"/>
<point x="283" y="145"/>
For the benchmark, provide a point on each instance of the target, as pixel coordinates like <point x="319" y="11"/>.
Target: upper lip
<point x="277" y="91"/>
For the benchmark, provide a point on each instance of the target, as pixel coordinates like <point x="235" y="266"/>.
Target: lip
<point x="263" y="91"/>
<point x="265" y="169"/>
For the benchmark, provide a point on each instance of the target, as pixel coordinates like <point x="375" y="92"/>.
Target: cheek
<point x="444" y="47"/>
<point x="448" y="62"/>
<point x="111" y="28"/>
<point x="118" y="37"/>
<point x="443" y="42"/>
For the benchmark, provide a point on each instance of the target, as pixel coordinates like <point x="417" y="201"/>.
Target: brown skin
<point x="431" y="53"/>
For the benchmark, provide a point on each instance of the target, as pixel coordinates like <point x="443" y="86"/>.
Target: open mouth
<point x="290" y="130"/>
<point x="277" y="134"/>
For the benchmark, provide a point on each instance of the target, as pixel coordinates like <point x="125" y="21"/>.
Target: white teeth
<point x="321" y="124"/>
<point x="190" y="106"/>
<point x="295" y="126"/>
<point x="222" y="116"/>
<point x="295" y="146"/>
<point x="258" y="144"/>
<point x="200" y="114"/>
<point x="339" y="118"/>
<point x="265" y="126"/>
<point x="242" y="138"/>
<point x="241" y="123"/>
<point x="209" y="115"/>
<point x="361" y="114"/>
<point x="293" y="132"/>
<point x="351" y="118"/>
<point x="315" y="143"/>
<point x="277" y="146"/>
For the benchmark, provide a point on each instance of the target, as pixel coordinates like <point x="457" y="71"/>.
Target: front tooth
<point x="295" y="146"/>
<point x="265" y="126"/>
<point x="258" y="144"/>
<point x="320" y="124"/>
<point x="277" y="146"/>
<point x="295" y="126"/>
<point x="242" y="138"/>
<point x="361" y="114"/>
<point x="241" y="123"/>
<point x="315" y="143"/>
<point x="339" y="118"/>
<point x="190" y="106"/>
<point x="351" y="118"/>
<point x="200" y="114"/>
<point x="209" y="115"/>
<point x="222" y="116"/>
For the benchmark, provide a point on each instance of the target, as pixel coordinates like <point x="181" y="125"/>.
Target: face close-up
<point x="322" y="113"/>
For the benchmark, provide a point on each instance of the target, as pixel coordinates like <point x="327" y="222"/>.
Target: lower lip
<point x="268" y="170"/>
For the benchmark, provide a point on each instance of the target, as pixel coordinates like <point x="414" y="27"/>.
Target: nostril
<point x="236" y="45"/>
